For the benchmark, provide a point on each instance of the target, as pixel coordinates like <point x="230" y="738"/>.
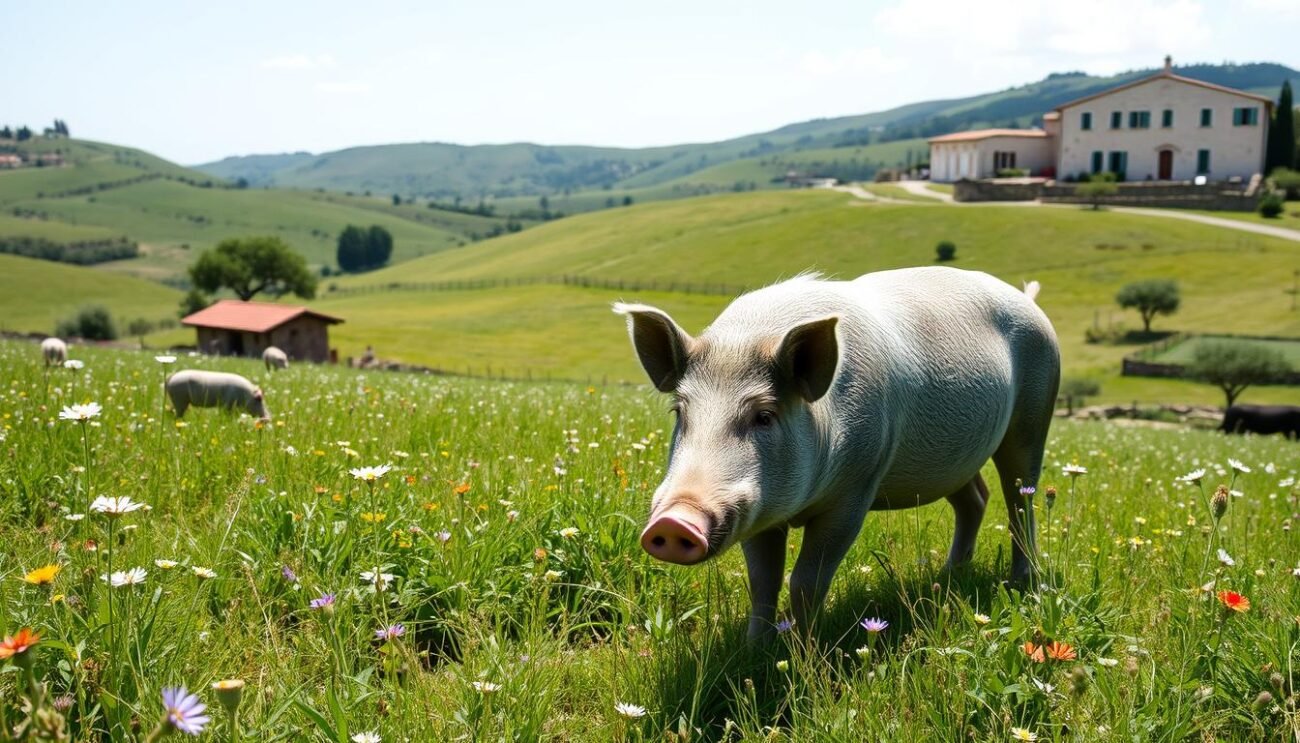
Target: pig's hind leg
<point x="968" y="505"/>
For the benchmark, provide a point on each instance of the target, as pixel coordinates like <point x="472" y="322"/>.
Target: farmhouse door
<point x="1166" y="165"/>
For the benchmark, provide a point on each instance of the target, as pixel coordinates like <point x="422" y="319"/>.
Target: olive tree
<point x="1234" y="366"/>
<point x="1150" y="298"/>
<point x="250" y="265"/>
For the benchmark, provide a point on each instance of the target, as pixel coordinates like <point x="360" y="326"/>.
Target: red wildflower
<point x="1060" y="651"/>
<point x="1234" y="601"/>
<point x="1035" y="652"/>
<point x="18" y="644"/>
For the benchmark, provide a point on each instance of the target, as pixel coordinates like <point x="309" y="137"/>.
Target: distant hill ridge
<point x="442" y="170"/>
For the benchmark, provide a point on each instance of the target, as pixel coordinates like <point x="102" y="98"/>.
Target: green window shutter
<point x="1116" y="119"/>
<point x="1207" y="117"/>
<point x="1097" y="161"/>
<point x="1167" y="118"/>
<point x="1202" y="162"/>
<point x="1085" y="121"/>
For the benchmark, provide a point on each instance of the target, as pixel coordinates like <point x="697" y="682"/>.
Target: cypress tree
<point x="352" y="249"/>
<point x="1281" y="151"/>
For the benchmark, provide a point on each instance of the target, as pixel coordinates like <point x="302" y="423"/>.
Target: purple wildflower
<point x="874" y="625"/>
<point x="1027" y="490"/>
<point x="325" y="601"/>
<point x="784" y="625"/>
<point x="390" y="632"/>
<point x="288" y="574"/>
<point x="444" y="536"/>
<point x="184" y="711"/>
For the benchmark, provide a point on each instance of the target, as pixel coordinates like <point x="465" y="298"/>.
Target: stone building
<point x="234" y="328"/>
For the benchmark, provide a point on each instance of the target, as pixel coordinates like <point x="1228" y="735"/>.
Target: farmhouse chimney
<point x="1169" y="65"/>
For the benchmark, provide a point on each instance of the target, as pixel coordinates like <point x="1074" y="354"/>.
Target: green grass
<point x="940" y="187"/>
<point x="1185" y="351"/>
<point x="492" y="587"/>
<point x="35" y="295"/>
<point x="1289" y="219"/>
<point x="52" y="230"/>
<point x="896" y="192"/>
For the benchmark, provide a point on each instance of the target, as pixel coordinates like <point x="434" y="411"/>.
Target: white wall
<point x="952" y="161"/>
<point x="1234" y="150"/>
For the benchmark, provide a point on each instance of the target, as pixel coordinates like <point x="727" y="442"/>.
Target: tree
<point x="1281" y="148"/>
<point x="1097" y="189"/>
<point x="192" y="302"/>
<point x="6" y="132"/>
<point x="352" y="249"/>
<point x="251" y="265"/>
<point x="1150" y="298"/>
<point x="1077" y="389"/>
<point x="92" y="323"/>
<point x="946" y="250"/>
<point x="379" y="246"/>
<point x="1234" y="366"/>
<point x="397" y="200"/>
<point x="24" y="134"/>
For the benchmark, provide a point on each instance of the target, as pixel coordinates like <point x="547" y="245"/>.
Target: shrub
<point x="91" y="322"/>
<point x="1012" y="173"/>
<point x="946" y="250"/>
<point x="1271" y="205"/>
<point x="1288" y="181"/>
<point x="1097" y="188"/>
<point x="1076" y="390"/>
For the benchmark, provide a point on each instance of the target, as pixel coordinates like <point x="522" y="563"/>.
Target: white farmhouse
<point x="1165" y="127"/>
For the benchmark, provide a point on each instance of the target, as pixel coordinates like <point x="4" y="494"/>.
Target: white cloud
<point x="342" y="86"/>
<point x="849" y="62"/>
<point x="298" y="62"/>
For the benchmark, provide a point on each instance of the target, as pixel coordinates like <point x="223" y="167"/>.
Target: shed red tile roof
<point x="250" y="317"/>
<point x="978" y="134"/>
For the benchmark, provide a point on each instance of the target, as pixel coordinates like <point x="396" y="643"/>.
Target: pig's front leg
<point x="826" y="541"/>
<point x="765" y="559"/>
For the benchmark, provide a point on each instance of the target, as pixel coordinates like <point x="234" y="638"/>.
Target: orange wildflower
<point x="1060" y="651"/>
<point x="462" y="488"/>
<point x="1234" y="601"/>
<point x="18" y="644"/>
<point x="1035" y="652"/>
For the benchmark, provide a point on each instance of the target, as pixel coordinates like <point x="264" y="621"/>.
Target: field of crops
<point x="485" y="583"/>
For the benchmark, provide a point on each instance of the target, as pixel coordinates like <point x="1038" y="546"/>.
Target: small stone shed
<point x="234" y="328"/>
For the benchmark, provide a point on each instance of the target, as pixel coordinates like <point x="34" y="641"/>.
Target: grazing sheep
<point x="275" y="358"/>
<point x="54" y="350"/>
<point x="209" y="389"/>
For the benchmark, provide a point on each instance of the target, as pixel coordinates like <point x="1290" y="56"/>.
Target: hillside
<point x="103" y="191"/>
<point x="440" y="170"/>
<point x="36" y="295"/>
<point x="544" y="327"/>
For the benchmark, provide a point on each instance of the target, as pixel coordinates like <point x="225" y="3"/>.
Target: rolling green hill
<point x="36" y="295"/>
<point x="439" y="170"/>
<point x="103" y="191"/>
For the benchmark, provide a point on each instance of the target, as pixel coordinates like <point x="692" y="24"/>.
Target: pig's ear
<point x="660" y="343"/>
<point x="257" y="394"/>
<point x="808" y="357"/>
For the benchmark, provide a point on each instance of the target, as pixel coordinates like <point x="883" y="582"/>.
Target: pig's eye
<point x="764" y="418"/>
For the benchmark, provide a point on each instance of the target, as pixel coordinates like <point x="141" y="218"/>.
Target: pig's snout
<point x="678" y="535"/>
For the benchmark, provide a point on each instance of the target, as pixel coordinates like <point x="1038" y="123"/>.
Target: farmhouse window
<point x="1098" y="161"/>
<point x="1085" y="121"/>
<point x="1116" y="119"/>
<point x="1119" y="163"/>
<point x="1004" y="160"/>
<point x="1139" y="119"/>
<point x="1207" y="117"/>
<point x="1167" y="118"/>
<point x="1202" y="162"/>
<point x="1248" y="116"/>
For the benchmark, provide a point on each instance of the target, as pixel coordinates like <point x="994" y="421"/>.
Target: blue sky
<point x="198" y="81"/>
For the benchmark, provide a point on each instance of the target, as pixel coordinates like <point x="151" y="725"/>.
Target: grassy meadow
<point x="490" y="586"/>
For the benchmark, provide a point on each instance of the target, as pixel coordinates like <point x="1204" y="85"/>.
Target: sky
<point x="198" y="81"/>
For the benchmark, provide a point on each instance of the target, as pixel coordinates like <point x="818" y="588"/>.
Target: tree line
<point x="79" y="252"/>
<point x="24" y="133"/>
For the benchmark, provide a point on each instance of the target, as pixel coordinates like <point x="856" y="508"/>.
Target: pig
<point x="811" y="402"/>
<point x="209" y="389"/>
<point x="275" y="358"/>
<point x="54" y="350"/>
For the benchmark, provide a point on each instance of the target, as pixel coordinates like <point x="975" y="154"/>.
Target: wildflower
<point x="1028" y="490"/>
<point x="80" y="413"/>
<point x="784" y="625"/>
<point x="165" y="564"/>
<point x="1226" y="558"/>
<point x="204" y="573"/>
<point x="1234" y="601"/>
<point x="288" y="574"/>
<point x="367" y="737"/>
<point x="1021" y="734"/>
<point x="74" y="517"/>
<point x="165" y="359"/>
<point x="630" y="711"/>
<point x="1074" y="470"/>
<point x="324" y="601"/>
<point x="1219" y="502"/>
<point x="1035" y="652"/>
<point x="1262" y="700"/>
<point x="1195" y="476"/>
<point x="461" y="489"/>
<point x="1238" y="466"/>
<point x="379" y="580"/>
<point x="1107" y="662"/>
<point x="874" y="625"/>
<point x="486" y="687"/>
<point x="373" y="517"/>
<point x="18" y="644"/>
<point x="569" y="532"/>
<point x="553" y="575"/>
<point x="184" y="711"/>
<point x="783" y="666"/>
<point x="1060" y="651"/>
<point x="132" y="577"/>
<point x="370" y="474"/>
<point x="43" y="576"/>
<point x="115" y="506"/>
<point x="391" y="632"/>
<point x="229" y="692"/>
<point x="863" y="652"/>
<point x="1049" y="496"/>
<point x="1044" y="687"/>
<point x="982" y="618"/>
<point x="512" y="516"/>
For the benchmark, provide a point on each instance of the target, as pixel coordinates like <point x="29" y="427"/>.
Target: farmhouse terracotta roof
<point x="251" y="317"/>
<point x="978" y="134"/>
<point x="1268" y="102"/>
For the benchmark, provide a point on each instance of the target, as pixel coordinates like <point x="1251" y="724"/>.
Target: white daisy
<point x="132" y="577"/>
<point x="74" y="364"/>
<point x="1107" y="662"/>
<point x="80" y="412"/>
<point x="118" y="505"/>
<point x="367" y="737"/>
<point x="379" y="580"/>
<point x="370" y="474"/>
<point x="486" y="687"/>
<point x="630" y="711"/>
<point x="1074" y="470"/>
<point x="204" y="573"/>
<point x="1238" y="466"/>
<point x="569" y="532"/>
<point x="165" y="359"/>
<point x="1226" y="558"/>
<point x="1194" y="476"/>
<point x="165" y="564"/>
